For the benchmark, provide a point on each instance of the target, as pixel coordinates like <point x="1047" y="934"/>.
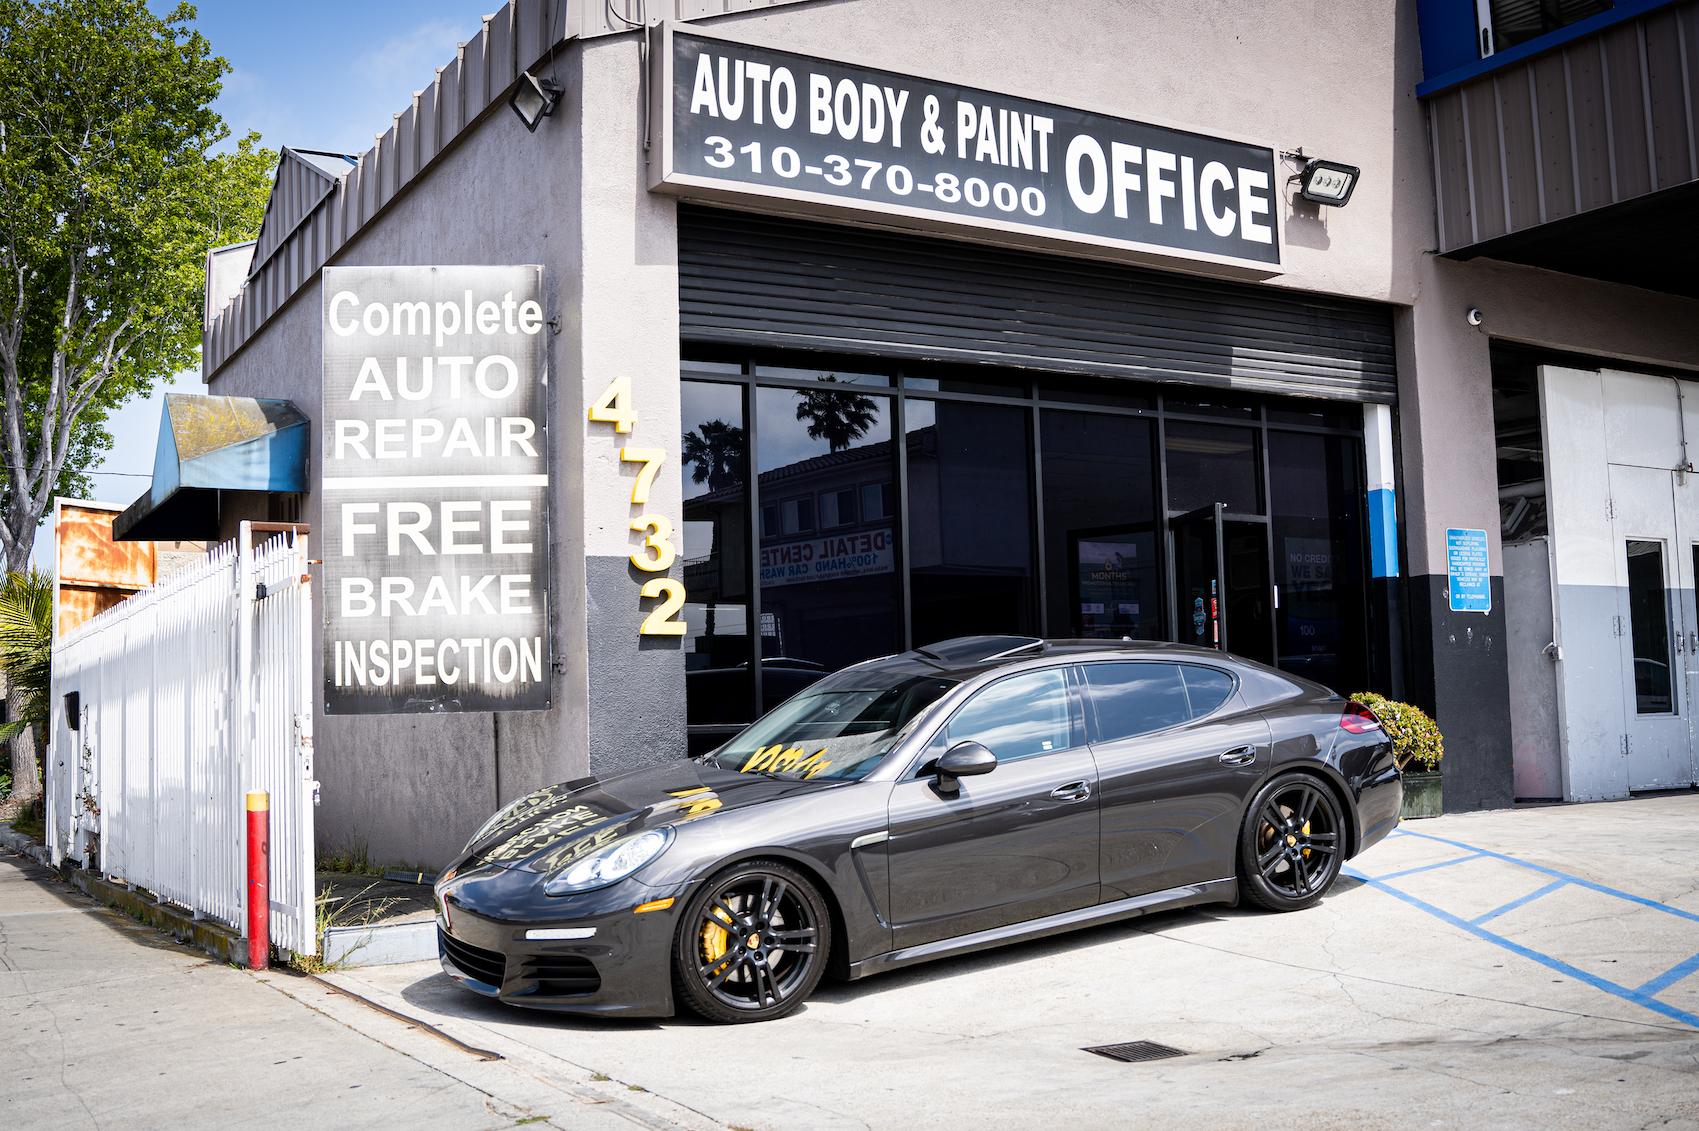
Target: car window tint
<point x="1136" y="698"/>
<point x="1018" y="717"/>
<point x="1207" y="688"/>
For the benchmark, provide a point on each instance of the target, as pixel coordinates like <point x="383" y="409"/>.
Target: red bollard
<point x="259" y="880"/>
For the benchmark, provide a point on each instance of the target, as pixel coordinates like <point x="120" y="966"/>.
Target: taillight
<point x="1358" y="719"/>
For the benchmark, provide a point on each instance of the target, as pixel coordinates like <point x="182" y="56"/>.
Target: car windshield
<point x="830" y="732"/>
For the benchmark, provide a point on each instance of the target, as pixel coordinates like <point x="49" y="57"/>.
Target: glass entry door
<point x="1650" y="629"/>
<point x="1223" y="583"/>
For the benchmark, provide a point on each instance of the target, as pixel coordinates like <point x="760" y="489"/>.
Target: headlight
<point x="611" y="864"/>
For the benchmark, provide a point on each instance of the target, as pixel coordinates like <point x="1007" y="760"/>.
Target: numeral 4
<point x="614" y="406"/>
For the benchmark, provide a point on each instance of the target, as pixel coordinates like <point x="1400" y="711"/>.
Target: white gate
<point x="167" y="709"/>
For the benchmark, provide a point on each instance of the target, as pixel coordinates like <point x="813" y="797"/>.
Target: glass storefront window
<point x="973" y="518"/>
<point x="970" y="519"/>
<point x="1213" y="463"/>
<point x="1316" y="490"/>
<point x="714" y="451"/>
<point x="1648" y="626"/>
<point x="1102" y="572"/>
<point x="828" y="597"/>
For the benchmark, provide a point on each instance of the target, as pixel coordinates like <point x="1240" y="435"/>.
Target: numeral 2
<point x="661" y="619"/>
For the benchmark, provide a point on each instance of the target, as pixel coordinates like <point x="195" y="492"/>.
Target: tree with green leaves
<point x="111" y="192"/>
<point x="26" y="656"/>
<point x="840" y="419"/>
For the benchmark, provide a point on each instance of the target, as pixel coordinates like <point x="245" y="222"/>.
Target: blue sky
<point x="307" y="73"/>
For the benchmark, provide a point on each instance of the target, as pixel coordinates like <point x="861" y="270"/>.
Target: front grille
<point x="474" y="961"/>
<point x="563" y="975"/>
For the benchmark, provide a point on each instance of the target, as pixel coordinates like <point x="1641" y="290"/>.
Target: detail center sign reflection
<point x="436" y="499"/>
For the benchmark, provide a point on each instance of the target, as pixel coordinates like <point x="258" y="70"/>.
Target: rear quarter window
<point x="1206" y="688"/>
<point x="1136" y="698"/>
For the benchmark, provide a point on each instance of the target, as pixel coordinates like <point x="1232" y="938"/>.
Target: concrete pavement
<point x="1385" y="1006"/>
<point x="1520" y="968"/>
<point x="107" y="1023"/>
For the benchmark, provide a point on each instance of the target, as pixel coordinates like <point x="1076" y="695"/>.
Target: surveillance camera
<point x="1475" y="316"/>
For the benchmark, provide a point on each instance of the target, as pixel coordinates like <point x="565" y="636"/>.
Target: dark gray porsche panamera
<point x="953" y="798"/>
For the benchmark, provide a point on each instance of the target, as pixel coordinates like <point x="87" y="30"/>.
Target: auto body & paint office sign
<point x="435" y="490"/>
<point x="744" y="121"/>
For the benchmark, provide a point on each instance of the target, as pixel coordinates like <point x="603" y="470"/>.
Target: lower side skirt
<point x="1188" y="895"/>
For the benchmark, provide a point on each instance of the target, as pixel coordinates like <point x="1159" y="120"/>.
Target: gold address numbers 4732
<point x="657" y="553"/>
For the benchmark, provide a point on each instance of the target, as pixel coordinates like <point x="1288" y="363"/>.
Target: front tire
<point x="1292" y="843"/>
<point x="752" y="943"/>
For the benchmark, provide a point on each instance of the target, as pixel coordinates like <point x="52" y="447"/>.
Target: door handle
<point x="1238" y="756"/>
<point x="1073" y="791"/>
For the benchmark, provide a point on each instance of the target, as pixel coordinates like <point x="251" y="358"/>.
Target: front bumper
<point x="623" y="969"/>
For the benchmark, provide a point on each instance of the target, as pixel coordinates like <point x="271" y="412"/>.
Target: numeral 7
<point x="651" y="459"/>
<point x="872" y="168"/>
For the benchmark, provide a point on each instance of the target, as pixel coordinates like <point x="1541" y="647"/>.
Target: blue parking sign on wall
<point x="1468" y="577"/>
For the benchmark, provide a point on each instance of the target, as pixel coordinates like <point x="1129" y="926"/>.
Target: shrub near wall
<point x="1417" y="747"/>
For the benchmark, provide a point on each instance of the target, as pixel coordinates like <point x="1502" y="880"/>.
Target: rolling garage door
<point x="770" y="281"/>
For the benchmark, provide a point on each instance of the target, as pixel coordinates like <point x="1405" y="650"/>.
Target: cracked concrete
<point x="1364" y="1011"/>
<point x="1361" y="1012"/>
<point x="105" y="1022"/>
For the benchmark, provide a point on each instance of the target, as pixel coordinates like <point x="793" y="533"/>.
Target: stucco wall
<point x="1337" y="80"/>
<point x="412" y="788"/>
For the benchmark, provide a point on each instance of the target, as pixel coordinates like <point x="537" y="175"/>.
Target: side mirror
<point x="963" y="760"/>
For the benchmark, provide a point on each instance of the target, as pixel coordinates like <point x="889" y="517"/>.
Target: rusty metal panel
<point x="476" y="91"/>
<point x="1557" y="156"/>
<point x="448" y="99"/>
<point x="530" y="27"/>
<point x="1667" y="80"/>
<point x="501" y="70"/>
<point x="1519" y="141"/>
<point x="1589" y="117"/>
<point x="1486" y="170"/>
<point x="406" y="154"/>
<point x="1626" y="126"/>
<point x="1451" y="165"/>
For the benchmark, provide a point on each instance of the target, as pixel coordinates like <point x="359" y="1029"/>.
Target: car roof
<point x="966" y="656"/>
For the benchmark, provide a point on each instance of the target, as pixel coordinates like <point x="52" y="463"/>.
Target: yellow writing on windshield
<point x="696" y="802"/>
<point x="777" y="759"/>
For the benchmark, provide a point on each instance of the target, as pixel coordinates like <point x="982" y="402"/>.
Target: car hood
<point x="549" y="829"/>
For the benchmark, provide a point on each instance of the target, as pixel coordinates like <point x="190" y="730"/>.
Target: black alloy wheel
<point x="752" y="943"/>
<point x="1292" y="844"/>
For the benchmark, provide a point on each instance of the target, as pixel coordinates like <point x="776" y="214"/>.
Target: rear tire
<point x="1292" y="843"/>
<point x="752" y="943"/>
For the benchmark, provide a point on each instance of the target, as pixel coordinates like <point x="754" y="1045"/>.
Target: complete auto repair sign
<point x="743" y="121"/>
<point x="436" y="490"/>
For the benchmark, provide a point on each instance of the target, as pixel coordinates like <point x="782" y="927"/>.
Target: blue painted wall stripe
<point x="1383" y="533"/>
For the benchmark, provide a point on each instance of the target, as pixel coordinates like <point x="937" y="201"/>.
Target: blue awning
<point x="210" y="445"/>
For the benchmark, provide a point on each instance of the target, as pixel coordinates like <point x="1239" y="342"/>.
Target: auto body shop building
<point x="796" y="333"/>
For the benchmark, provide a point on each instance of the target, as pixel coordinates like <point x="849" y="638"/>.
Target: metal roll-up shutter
<point x="772" y="281"/>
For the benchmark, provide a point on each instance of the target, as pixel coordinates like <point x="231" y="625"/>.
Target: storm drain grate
<point x="1136" y="1052"/>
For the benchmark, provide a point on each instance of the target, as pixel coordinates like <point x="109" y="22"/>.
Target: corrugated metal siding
<point x="311" y="229"/>
<point x="1592" y="123"/>
<point x="767" y="281"/>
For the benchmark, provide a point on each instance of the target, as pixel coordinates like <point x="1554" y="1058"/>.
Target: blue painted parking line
<point x="1428" y="867"/>
<point x="1642" y="995"/>
<point x="1671" y="976"/>
<point x="1577" y="880"/>
<point x="1515" y="903"/>
<point x="1638" y="996"/>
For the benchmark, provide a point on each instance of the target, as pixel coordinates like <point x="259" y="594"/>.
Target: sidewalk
<point x="104" y="1022"/>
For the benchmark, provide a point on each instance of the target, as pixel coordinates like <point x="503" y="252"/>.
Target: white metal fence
<point x="186" y="696"/>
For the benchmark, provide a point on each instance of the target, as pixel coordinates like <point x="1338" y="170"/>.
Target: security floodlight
<point x="534" y="99"/>
<point x="1327" y="182"/>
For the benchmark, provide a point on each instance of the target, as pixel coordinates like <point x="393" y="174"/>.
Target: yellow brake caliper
<point x="1306" y="832"/>
<point x="715" y="939"/>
